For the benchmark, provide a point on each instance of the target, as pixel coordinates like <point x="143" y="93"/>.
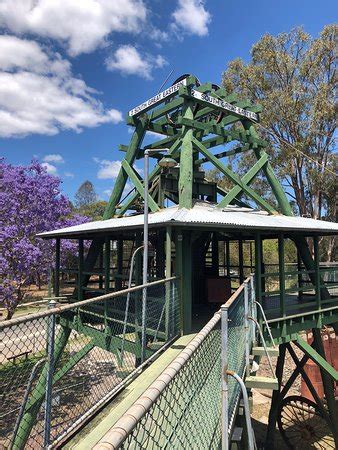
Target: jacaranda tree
<point x="30" y="202"/>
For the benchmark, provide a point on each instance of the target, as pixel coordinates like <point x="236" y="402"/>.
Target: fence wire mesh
<point x="187" y="414"/>
<point x="183" y="407"/>
<point x="96" y="347"/>
<point x="235" y="351"/>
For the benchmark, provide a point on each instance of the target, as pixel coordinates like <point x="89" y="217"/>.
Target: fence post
<point x="246" y="327"/>
<point x="49" y="375"/>
<point x="225" y="386"/>
<point x="253" y="311"/>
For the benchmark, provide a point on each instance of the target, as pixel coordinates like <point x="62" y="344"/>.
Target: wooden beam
<point x="246" y="180"/>
<point x="57" y="267"/>
<point x="185" y="182"/>
<point x="316" y="357"/>
<point x="232" y="135"/>
<point x="162" y="129"/>
<point x="225" y="154"/>
<point x="233" y="177"/>
<point x="80" y="271"/>
<point x="317" y="271"/>
<point x="173" y="151"/>
<point x="122" y="177"/>
<point x="139" y="186"/>
<point x="281" y="263"/>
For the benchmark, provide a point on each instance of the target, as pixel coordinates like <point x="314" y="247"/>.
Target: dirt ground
<point x="262" y="401"/>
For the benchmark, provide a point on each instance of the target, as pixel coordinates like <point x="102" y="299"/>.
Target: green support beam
<point x="173" y="152"/>
<point x="246" y="180"/>
<point x="316" y="357"/>
<point x="234" y="178"/>
<point x="232" y="135"/>
<point x="186" y="162"/>
<point x="122" y="177"/>
<point x="225" y="154"/>
<point x="139" y="186"/>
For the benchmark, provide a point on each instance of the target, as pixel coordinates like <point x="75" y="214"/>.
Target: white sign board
<point x="157" y="99"/>
<point x="224" y="105"/>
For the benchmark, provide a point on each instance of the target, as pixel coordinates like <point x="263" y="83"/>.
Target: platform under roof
<point x="203" y="214"/>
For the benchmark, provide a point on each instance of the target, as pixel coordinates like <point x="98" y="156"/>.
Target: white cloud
<point x="39" y="94"/>
<point x="69" y="175"/>
<point x="51" y="169"/>
<point x="129" y="61"/>
<point x="82" y="25"/>
<point x="107" y="169"/>
<point x="54" y="158"/>
<point x="108" y="192"/>
<point x="191" y="17"/>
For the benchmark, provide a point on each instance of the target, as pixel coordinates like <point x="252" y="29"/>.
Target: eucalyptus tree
<point x="292" y="75"/>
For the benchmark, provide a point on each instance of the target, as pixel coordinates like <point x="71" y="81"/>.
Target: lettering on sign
<point x="224" y="105"/>
<point x="158" y="98"/>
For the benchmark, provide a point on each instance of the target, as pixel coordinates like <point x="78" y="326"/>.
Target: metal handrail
<point x="266" y="322"/>
<point x="128" y="299"/>
<point x="264" y="343"/>
<point x="119" y="432"/>
<point x="62" y="308"/>
<point x="250" y="432"/>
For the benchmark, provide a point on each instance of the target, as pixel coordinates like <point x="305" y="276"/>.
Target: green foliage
<point x="87" y="202"/>
<point x="85" y="195"/>
<point x="292" y="76"/>
<point x="93" y="210"/>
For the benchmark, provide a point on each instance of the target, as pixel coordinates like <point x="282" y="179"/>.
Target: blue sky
<point x="70" y="70"/>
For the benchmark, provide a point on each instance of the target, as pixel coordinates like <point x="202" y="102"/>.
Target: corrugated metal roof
<point x="203" y="213"/>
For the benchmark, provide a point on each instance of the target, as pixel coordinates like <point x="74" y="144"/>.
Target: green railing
<point x="58" y="366"/>
<point x="182" y="409"/>
<point x="299" y="290"/>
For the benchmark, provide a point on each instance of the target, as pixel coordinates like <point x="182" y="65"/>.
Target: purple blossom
<point x="30" y="202"/>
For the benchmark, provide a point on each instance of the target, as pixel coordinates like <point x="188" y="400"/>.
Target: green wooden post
<point x="240" y="260"/>
<point x="57" y="267"/>
<point x="186" y="162"/>
<point x="80" y="272"/>
<point x="227" y="249"/>
<point x="269" y="173"/>
<point x="258" y="265"/>
<point x="276" y="399"/>
<point x="317" y="272"/>
<point x="118" y="278"/>
<point x="187" y="281"/>
<point x="281" y="262"/>
<point x="215" y="254"/>
<point x="122" y="177"/>
<point x="299" y="276"/>
<point x="179" y="271"/>
<point x="168" y="287"/>
<point x="101" y="270"/>
<point x="107" y="265"/>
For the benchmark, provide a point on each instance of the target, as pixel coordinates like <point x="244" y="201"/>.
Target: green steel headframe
<point x="194" y="118"/>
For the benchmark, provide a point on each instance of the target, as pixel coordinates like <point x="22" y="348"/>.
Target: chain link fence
<point x="57" y="367"/>
<point x="183" y="406"/>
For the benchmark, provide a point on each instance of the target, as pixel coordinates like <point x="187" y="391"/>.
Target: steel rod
<point x="251" y="441"/>
<point x="49" y="376"/>
<point x="225" y="386"/>
<point x="128" y="299"/>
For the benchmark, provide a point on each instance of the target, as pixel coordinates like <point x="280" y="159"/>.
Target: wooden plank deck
<point x="91" y="433"/>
